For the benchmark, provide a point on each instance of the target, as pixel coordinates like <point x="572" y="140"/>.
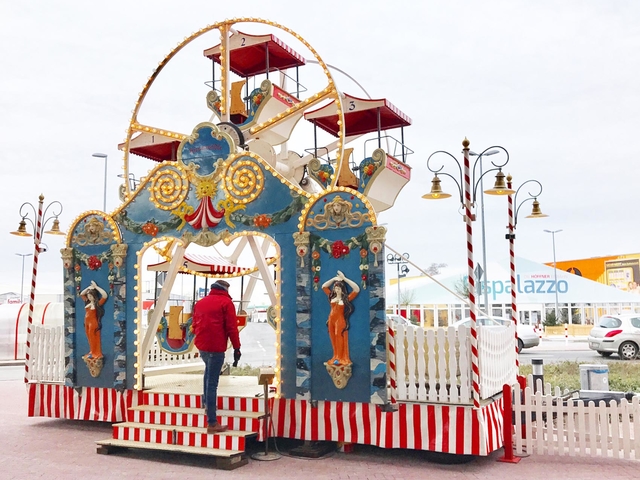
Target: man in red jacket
<point x="214" y="323"/>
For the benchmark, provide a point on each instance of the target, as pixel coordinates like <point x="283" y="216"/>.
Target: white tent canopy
<point x="535" y="284"/>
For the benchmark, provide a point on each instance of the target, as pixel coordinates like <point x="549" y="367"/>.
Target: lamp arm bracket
<point x="515" y="215"/>
<point x="533" y="195"/>
<point x="476" y="183"/>
<point x="494" y="163"/>
<point x="33" y="224"/>
<point x="56" y="210"/>
<point x="24" y="211"/>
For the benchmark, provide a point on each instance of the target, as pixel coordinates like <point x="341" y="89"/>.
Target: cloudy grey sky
<point x="553" y="82"/>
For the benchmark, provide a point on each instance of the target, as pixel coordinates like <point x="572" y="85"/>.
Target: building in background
<point x="618" y="271"/>
<point x="580" y="300"/>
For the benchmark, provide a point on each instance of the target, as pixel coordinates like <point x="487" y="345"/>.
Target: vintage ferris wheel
<point x="266" y="148"/>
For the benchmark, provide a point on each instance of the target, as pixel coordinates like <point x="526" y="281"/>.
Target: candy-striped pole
<point x="512" y="265"/>
<point x="475" y="370"/>
<point x="391" y="342"/>
<point x="36" y="252"/>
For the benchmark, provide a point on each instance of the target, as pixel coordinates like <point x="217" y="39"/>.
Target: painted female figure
<point x="341" y="309"/>
<point x="94" y="298"/>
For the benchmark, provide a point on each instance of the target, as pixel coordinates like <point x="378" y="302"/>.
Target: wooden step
<point x="246" y="404"/>
<point x="193" y="417"/>
<point x="225" y="459"/>
<point x="181" y="435"/>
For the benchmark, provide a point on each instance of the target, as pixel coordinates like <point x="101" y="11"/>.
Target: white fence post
<point x="562" y="425"/>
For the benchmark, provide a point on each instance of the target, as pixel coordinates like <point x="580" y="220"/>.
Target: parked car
<point x="399" y="320"/>
<point x="616" y="334"/>
<point x="527" y="336"/>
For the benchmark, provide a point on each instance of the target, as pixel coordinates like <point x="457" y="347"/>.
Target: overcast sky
<point x="553" y="82"/>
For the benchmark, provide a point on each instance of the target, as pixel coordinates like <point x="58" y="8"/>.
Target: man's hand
<point x="236" y="356"/>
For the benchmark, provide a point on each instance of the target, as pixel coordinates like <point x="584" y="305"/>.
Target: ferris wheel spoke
<point x="138" y="127"/>
<point x="296" y="109"/>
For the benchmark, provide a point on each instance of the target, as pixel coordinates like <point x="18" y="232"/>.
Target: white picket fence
<point x="46" y="358"/>
<point x="160" y="358"/>
<point x="557" y="424"/>
<point x="434" y="365"/>
<point x="160" y="361"/>
<point x="496" y="359"/>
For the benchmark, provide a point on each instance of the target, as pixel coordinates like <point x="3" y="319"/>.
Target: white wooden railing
<point x="46" y="360"/>
<point x="496" y="359"/>
<point x="557" y="424"/>
<point x="160" y="358"/>
<point x="434" y="365"/>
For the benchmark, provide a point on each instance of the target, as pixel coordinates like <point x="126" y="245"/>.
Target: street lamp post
<point x="555" y="270"/>
<point x="104" y="202"/>
<point x="400" y="261"/>
<point x="22" y="278"/>
<point x="467" y="186"/>
<point x="511" y="236"/>
<point x="41" y="221"/>
<point x="482" y="223"/>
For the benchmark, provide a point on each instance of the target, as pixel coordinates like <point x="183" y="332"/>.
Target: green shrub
<point x="623" y="376"/>
<point x="245" y="371"/>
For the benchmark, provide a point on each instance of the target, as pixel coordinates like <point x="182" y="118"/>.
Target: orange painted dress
<point x="337" y="334"/>
<point x="90" y="328"/>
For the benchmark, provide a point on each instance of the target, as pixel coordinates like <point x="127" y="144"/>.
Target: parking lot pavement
<point x="561" y="344"/>
<point x="62" y="449"/>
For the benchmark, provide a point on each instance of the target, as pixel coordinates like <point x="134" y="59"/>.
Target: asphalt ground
<point x="64" y="449"/>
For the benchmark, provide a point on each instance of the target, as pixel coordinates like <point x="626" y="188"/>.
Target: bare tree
<point x="407" y="297"/>
<point x="434" y="268"/>
<point x="462" y="286"/>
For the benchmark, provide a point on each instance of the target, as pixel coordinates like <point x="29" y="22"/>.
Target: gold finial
<point x="509" y="178"/>
<point x="41" y="197"/>
<point x="465" y="143"/>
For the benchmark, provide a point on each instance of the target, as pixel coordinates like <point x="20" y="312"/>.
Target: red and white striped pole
<point x="475" y="370"/>
<point x="391" y="342"/>
<point x="32" y="298"/>
<point x="512" y="265"/>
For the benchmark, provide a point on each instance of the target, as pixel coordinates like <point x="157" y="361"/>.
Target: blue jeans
<point x="213" y="362"/>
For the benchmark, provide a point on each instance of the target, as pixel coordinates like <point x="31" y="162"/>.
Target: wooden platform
<point x="192" y="384"/>
<point x="225" y="459"/>
<point x="172" y="418"/>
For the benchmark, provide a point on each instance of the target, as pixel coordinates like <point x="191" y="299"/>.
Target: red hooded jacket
<point x="215" y="322"/>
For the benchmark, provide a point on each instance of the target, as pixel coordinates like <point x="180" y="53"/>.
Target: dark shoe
<point x="217" y="428"/>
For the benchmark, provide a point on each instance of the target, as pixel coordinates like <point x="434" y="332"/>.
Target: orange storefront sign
<point x="618" y="271"/>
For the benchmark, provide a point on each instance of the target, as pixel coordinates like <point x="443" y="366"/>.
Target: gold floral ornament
<point x="376" y="237"/>
<point x="205" y="215"/>
<point x="67" y="257"/>
<point x="168" y="188"/>
<point x="301" y="242"/>
<point x="119" y="255"/>
<point x="244" y="180"/>
<point x="228" y="206"/>
<point x="337" y="214"/>
<point x="340" y="374"/>
<point x="180" y="212"/>
<point x="93" y="233"/>
<point x="94" y="365"/>
<point x="205" y="188"/>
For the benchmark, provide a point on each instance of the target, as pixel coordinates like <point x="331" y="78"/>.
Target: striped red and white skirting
<point x="455" y="429"/>
<point x="85" y="403"/>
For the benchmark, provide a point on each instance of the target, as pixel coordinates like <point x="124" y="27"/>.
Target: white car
<point x="616" y="334"/>
<point x="527" y="336"/>
<point x="399" y="320"/>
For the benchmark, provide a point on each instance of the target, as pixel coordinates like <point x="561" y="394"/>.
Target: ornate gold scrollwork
<point x="338" y="214"/>
<point x="301" y="242"/>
